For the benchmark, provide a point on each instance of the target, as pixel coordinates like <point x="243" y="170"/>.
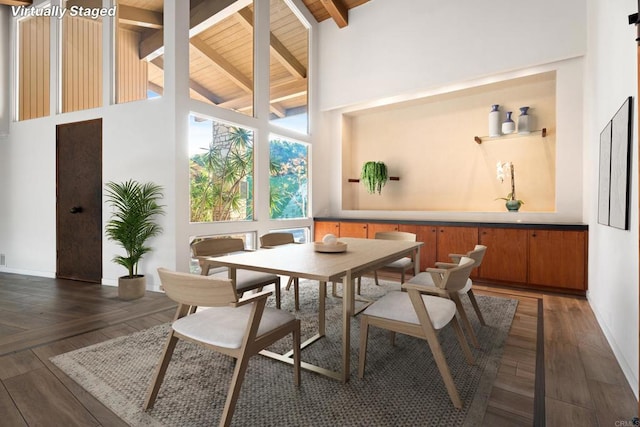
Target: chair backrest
<point x="455" y="278"/>
<point x="217" y="246"/>
<point x="477" y="254"/>
<point x="276" y="239"/>
<point x="202" y="291"/>
<point x="396" y="235"/>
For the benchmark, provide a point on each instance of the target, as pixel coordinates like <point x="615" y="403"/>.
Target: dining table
<point x="305" y="261"/>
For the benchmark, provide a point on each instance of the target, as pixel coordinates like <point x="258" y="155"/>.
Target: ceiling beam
<point x="338" y="11"/>
<point x="202" y="16"/>
<point x="279" y="92"/>
<point x="195" y="86"/>
<point x="139" y="17"/>
<point x="281" y="53"/>
<point x="16" y="2"/>
<point x="222" y="64"/>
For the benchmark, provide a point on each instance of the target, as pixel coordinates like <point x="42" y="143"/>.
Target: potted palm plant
<point x="133" y="221"/>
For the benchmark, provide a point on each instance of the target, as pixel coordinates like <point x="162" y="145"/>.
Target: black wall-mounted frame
<point x="615" y="168"/>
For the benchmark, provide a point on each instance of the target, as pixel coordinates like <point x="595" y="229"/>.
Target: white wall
<point x="400" y="46"/>
<point x="611" y="76"/>
<point x="401" y="50"/>
<point x="4" y="70"/>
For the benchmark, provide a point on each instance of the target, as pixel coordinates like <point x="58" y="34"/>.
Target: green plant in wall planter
<point x="374" y="176"/>
<point x="133" y="221"/>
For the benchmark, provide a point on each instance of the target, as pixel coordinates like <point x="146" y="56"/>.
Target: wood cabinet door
<point x="353" y="229"/>
<point x="320" y="228"/>
<point x="506" y="256"/>
<point x="427" y="234"/>
<point x="557" y="258"/>
<point x="456" y="240"/>
<point x="376" y="227"/>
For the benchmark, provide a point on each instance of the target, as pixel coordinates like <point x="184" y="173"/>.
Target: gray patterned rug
<point x="401" y="387"/>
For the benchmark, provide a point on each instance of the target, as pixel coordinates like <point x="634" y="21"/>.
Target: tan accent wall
<point x="132" y="72"/>
<point x="429" y="144"/>
<point x="33" y="57"/>
<point x="81" y="64"/>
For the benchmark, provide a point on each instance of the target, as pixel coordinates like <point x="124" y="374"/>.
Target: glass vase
<point x="523" y="121"/>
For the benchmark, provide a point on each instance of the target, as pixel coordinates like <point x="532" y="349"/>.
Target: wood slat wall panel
<point x="33" y="59"/>
<point x="81" y="64"/>
<point x="132" y="72"/>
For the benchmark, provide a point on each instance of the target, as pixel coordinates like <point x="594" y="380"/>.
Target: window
<point x="34" y="48"/>
<point x="288" y="68"/>
<point x="221" y="56"/>
<point x="139" y="50"/>
<point x="221" y="171"/>
<point x="81" y="60"/>
<point x="288" y="184"/>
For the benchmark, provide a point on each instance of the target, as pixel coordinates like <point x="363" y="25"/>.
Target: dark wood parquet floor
<point x="41" y="317"/>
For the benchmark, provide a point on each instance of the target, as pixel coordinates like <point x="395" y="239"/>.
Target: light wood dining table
<point x="301" y="260"/>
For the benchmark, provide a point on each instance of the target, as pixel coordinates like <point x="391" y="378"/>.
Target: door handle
<point x="76" y="209"/>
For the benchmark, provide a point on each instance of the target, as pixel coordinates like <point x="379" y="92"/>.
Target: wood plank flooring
<point x="41" y="317"/>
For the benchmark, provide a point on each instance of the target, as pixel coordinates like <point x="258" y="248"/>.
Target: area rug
<point x="401" y="387"/>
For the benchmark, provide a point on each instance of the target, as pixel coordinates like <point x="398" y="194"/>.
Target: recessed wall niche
<point x="429" y="144"/>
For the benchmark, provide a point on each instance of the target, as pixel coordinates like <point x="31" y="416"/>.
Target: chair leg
<point x="402" y="277"/>
<point x="465" y="320"/>
<point x="278" y="292"/>
<point x="375" y="276"/>
<point x="392" y="338"/>
<point x="296" y="293"/>
<point x="463" y="341"/>
<point x="476" y="307"/>
<point x="234" y="389"/>
<point x="161" y="369"/>
<point x="359" y="285"/>
<point x="443" y="367"/>
<point x="364" y="338"/>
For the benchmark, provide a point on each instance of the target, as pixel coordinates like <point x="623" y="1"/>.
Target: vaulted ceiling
<point x="221" y="47"/>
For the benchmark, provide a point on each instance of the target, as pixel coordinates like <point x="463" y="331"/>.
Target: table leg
<point x="416" y="263"/>
<point x="321" y="308"/>
<point x="347" y="303"/>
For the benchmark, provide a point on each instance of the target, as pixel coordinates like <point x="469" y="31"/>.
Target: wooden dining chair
<point x="246" y="280"/>
<point x="418" y="315"/>
<point x="432" y="284"/>
<point x="403" y="264"/>
<point x="237" y="328"/>
<point x="270" y="240"/>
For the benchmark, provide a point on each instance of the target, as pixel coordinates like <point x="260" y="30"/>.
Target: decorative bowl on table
<point x="330" y="247"/>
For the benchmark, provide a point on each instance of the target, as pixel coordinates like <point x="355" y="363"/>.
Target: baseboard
<point x="626" y="369"/>
<point x="48" y="274"/>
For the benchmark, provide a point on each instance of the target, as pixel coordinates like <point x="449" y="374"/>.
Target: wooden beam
<point x="201" y="17"/>
<point x="139" y="17"/>
<point x="84" y="3"/>
<point x="278" y="50"/>
<point x="279" y="92"/>
<point x="338" y="11"/>
<point x="222" y="64"/>
<point x="16" y="2"/>
<point x="195" y="86"/>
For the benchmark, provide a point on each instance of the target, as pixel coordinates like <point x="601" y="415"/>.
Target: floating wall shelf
<point x="479" y="139"/>
<point x="391" y="178"/>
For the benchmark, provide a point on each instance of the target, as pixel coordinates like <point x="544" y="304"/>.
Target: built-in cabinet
<point x="519" y="255"/>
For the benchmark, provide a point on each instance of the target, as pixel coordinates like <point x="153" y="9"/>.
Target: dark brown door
<point x="79" y="201"/>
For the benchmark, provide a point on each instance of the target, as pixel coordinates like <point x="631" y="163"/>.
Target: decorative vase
<point x="494" y="121"/>
<point x="508" y="126"/>
<point x="513" y="205"/>
<point x="523" y="121"/>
